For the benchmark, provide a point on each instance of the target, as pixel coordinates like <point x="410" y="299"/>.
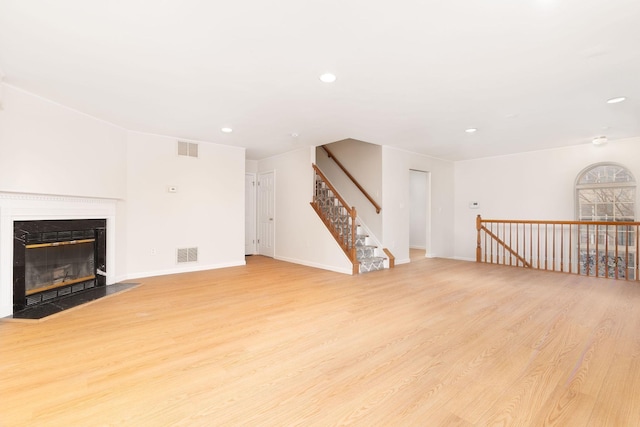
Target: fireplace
<point x="55" y="258"/>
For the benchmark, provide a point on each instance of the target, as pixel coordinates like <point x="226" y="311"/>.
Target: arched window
<point x="606" y="192"/>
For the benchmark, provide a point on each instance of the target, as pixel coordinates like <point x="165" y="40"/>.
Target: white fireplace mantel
<point x="33" y="207"/>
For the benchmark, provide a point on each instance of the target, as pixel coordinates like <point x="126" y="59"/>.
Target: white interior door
<point x="266" y="214"/>
<point x="250" y="214"/>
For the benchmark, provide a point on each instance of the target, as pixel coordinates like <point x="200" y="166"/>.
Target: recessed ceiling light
<point x="226" y="130"/>
<point x="601" y="140"/>
<point x="616" y="100"/>
<point x="294" y="135"/>
<point x="328" y="77"/>
<point x="471" y="130"/>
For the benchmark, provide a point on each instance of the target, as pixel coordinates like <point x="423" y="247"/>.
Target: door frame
<point x="425" y="198"/>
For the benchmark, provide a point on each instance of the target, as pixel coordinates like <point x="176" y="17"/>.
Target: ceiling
<point x="413" y="74"/>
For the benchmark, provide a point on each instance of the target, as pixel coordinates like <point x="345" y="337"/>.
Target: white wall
<point x="537" y="185"/>
<point x="364" y="163"/>
<point x="396" y="166"/>
<point x="47" y="148"/>
<point x="127" y="172"/>
<point x="207" y="211"/>
<point x="300" y="235"/>
<point x="251" y="166"/>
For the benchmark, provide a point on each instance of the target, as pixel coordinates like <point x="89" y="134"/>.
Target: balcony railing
<point x="590" y="248"/>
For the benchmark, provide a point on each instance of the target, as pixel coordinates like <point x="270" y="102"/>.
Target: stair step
<point x="371" y="264"/>
<point x="373" y="259"/>
<point x="365" y="252"/>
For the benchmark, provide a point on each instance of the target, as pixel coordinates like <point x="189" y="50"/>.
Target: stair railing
<point x="608" y="249"/>
<point x="336" y="214"/>
<point x="357" y="184"/>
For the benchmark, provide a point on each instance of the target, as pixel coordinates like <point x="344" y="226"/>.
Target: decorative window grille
<point x="606" y="192"/>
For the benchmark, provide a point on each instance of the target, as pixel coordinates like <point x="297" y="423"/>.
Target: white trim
<point x="315" y="265"/>
<point x="179" y="270"/>
<point x="9" y="195"/>
<point x="460" y="258"/>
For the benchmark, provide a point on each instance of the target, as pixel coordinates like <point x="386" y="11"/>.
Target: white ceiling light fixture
<point x="226" y="130"/>
<point x="471" y="130"/>
<point x="328" y="77"/>
<point x="616" y="100"/>
<point x="600" y="140"/>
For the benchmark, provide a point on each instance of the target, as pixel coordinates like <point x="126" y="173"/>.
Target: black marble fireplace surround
<point x="53" y="259"/>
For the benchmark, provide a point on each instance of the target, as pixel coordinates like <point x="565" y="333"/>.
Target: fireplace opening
<point x="51" y="265"/>
<point x="55" y="258"/>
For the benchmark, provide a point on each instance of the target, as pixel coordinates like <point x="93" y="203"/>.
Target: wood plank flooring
<point x="431" y="343"/>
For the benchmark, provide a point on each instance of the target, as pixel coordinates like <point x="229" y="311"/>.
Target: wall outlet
<point x="154" y="251"/>
<point x="474" y="205"/>
<point x="172" y="189"/>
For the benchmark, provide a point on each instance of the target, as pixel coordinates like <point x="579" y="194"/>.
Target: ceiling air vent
<point x="187" y="255"/>
<point x="189" y="149"/>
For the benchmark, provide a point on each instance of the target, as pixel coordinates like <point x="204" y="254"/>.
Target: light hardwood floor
<point x="431" y="343"/>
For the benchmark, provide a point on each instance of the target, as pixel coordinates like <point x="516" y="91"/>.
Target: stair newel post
<point x="479" y="240"/>
<point x="352" y="249"/>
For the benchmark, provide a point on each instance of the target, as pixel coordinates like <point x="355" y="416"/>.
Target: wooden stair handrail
<point x="556" y="222"/>
<point x="357" y="184"/>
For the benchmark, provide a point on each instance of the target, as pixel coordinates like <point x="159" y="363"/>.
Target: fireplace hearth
<point x="56" y="258"/>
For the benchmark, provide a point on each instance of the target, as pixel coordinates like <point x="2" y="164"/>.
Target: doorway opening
<point x="419" y="213"/>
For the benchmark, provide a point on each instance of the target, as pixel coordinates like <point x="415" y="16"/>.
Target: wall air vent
<point x="189" y="149"/>
<point x="187" y="255"/>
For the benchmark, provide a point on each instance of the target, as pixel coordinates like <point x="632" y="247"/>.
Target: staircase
<point x="342" y="222"/>
<point x="366" y="254"/>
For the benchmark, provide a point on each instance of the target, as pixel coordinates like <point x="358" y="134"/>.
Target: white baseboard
<point x="459" y="258"/>
<point x="177" y="270"/>
<point x="315" y="265"/>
